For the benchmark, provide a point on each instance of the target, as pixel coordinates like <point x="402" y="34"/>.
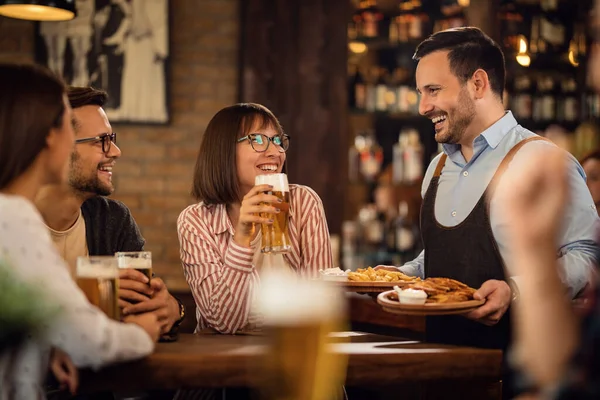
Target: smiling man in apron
<point x="460" y="77"/>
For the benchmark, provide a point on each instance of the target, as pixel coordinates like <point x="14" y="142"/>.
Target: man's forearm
<point x="415" y="267"/>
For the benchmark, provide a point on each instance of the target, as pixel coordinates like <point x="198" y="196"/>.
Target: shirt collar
<point x="492" y="135"/>
<point x="222" y="222"/>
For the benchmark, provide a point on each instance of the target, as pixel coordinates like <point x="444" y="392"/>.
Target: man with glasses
<point x="82" y="221"/>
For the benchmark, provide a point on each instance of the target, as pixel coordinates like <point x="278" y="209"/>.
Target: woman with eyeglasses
<point x="220" y="236"/>
<point x="36" y="141"/>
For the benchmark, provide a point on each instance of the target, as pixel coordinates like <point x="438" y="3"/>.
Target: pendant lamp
<point x="39" y="10"/>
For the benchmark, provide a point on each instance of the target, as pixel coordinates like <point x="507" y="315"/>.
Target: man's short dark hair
<point x="86" y="96"/>
<point x="469" y="49"/>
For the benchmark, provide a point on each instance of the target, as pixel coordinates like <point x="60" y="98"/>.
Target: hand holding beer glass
<point x="275" y="236"/>
<point x="98" y="278"/>
<point x="135" y="273"/>
<point x="140" y="292"/>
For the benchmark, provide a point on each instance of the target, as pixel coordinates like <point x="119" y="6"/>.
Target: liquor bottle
<point x="370" y="16"/>
<point x="357" y="90"/>
<point x="511" y="21"/>
<point x="394" y="30"/>
<point x="354" y="159"/>
<point x="371" y="157"/>
<point x="406" y="234"/>
<point x="552" y="30"/>
<point x="372" y="227"/>
<point x="568" y="105"/>
<point x="370" y="89"/>
<point x="548" y="100"/>
<point x="381" y="88"/>
<point x="413" y="157"/>
<point x="398" y="159"/>
<point x="522" y="101"/>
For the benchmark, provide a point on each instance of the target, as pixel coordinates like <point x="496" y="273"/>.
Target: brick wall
<point x="153" y="176"/>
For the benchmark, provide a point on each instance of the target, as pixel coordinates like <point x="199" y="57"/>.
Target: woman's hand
<point x="256" y="201"/>
<point x="64" y="371"/>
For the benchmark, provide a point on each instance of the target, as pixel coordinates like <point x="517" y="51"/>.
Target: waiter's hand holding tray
<point x="431" y="296"/>
<point x="367" y="280"/>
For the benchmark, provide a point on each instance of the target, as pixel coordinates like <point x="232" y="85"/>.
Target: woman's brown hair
<point x="215" y="174"/>
<point x="592" y="155"/>
<point x="31" y="104"/>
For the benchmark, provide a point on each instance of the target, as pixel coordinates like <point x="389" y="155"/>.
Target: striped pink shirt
<point x="221" y="273"/>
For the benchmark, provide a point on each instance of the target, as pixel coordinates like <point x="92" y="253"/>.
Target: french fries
<point x="371" y="275"/>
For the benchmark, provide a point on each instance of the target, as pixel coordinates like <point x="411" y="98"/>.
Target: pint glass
<point x="275" y="237"/>
<point x="98" y="278"/>
<point x="300" y="362"/>
<point x="138" y="260"/>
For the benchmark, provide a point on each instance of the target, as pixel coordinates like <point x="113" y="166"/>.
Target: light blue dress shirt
<point x="462" y="184"/>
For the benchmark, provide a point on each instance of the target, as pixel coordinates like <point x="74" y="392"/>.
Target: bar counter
<point x="214" y="360"/>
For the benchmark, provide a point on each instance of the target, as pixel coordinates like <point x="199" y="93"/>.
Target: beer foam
<point x="134" y="262"/>
<point x="286" y="299"/>
<point x="92" y="271"/>
<point x="278" y="181"/>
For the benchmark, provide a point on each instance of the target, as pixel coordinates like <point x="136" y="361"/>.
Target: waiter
<point x="460" y="77"/>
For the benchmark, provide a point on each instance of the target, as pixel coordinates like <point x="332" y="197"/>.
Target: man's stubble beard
<point x="459" y="119"/>
<point x="83" y="185"/>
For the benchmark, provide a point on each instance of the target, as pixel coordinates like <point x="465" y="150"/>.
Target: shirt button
<point x="454" y="213"/>
<point x="466" y="173"/>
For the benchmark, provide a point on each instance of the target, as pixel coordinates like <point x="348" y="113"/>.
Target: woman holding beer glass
<point x="36" y="141"/>
<point x="220" y="237"/>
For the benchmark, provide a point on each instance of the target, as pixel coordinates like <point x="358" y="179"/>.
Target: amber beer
<point x="138" y="260"/>
<point x="275" y="237"/>
<point x="98" y="278"/>
<point x="300" y="363"/>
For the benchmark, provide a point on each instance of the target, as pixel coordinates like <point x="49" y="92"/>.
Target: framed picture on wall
<point x="120" y="46"/>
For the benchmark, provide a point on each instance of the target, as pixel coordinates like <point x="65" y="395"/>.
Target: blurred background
<point x="339" y="75"/>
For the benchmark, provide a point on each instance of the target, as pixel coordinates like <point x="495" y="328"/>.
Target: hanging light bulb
<point x="573" y="54"/>
<point x="464" y="3"/>
<point x="523" y="56"/>
<point x="39" y="10"/>
<point x="357" y="47"/>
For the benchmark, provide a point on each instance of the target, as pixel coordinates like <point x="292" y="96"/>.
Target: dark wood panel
<point x="293" y="61"/>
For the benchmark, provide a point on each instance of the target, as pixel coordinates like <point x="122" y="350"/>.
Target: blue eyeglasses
<point x="260" y="143"/>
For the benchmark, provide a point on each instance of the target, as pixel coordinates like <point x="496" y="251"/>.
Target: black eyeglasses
<point x="260" y="143"/>
<point x="105" y="138"/>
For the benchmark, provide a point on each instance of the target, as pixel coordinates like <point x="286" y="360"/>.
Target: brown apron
<point x="469" y="253"/>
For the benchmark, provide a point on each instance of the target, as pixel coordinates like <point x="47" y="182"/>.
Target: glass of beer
<point x="275" y="237"/>
<point x="138" y="260"/>
<point x="300" y="315"/>
<point x="98" y="278"/>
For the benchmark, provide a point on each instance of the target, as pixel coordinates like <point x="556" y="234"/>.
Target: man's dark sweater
<point x="110" y="227"/>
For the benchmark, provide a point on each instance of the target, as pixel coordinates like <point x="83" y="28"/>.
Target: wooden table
<point x="231" y="360"/>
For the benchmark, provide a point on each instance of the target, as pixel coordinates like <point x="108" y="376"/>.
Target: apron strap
<point x="440" y="165"/>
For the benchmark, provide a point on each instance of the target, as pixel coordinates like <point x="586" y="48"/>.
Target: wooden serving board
<point x="395" y="307"/>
